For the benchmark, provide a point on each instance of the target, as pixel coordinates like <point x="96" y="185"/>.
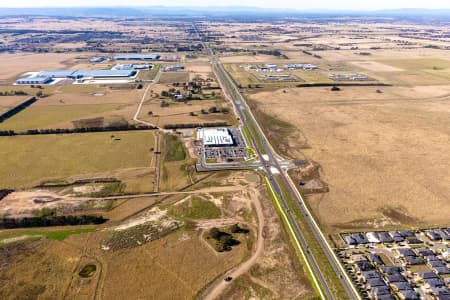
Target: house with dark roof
<point x="396" y="236"/>
<point x="436" y="264"/>
<point x="431" y="257"/>
<point x="399" y="286"/>
<point x="395" y="278"/>
<point x="424" y="251"/>
<point x="380" y="291"/>
<point x="433" y="235"/>
<point x="363" y="266"/>
<point x="373" y="282"/>
<point x="384" y="297"/>
<point x="372" y="274"/>
<point x="391" y="270"/>
<point x="414" y="241"/>
<point x="414" y="260"/>
<point x="385" y="237"/>
<point x="433" y="282"/>
<point x="426" y="275"/>
<point x="408" y="295"/>
<point x="406" y="233"/>
<point x="375" y="259"/>
<point x="406" y="252"/>
<point x="442" y="270"/>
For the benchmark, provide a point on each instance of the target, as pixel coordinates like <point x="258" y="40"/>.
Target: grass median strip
<point x="299" y="249"/>
<point x="327" y="270"/>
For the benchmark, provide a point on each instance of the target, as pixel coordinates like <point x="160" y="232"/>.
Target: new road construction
<point x="282" y="188"/>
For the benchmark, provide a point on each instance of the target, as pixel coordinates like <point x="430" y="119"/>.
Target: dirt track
<point x="219" y="285"/>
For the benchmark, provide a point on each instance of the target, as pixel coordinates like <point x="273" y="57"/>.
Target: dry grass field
<point x="170" y="77"/>
<point x="14" y="65"/>
<point x="163" y="267"/>
<point x="382" y="155"/>
<point x="180" y="113"/>
<point x="65" y="105"/>
<point x="29" y="160"/>
<point x="8" y="102"/>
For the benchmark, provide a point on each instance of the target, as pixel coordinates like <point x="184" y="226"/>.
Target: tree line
<point x="46" y="221"/>
<point x="195" y="125"/>
<point x="17" y="109"/>
<point x="128" y="127"/>
<point x="13" y="93"/>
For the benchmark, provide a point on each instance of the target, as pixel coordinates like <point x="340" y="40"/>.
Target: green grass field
<point x="57" y="235"/>
<point x="173" y="148"/>
<point x="28" y="160"/>
<point x="195" y="208"/>
<point x="39" y="117"/>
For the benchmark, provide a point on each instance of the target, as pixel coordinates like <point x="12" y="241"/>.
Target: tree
<point x="214" y="233"/>
<point x="39" y="94"/>
<point x="335" y="89"/>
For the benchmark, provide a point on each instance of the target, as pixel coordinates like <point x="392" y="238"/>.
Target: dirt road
<point x="219" y="285"/>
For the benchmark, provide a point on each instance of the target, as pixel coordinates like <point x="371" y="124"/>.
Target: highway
<point x="272" y="166"/>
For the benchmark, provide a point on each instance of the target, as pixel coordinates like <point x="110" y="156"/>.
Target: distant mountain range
<point x="215" y="12"/>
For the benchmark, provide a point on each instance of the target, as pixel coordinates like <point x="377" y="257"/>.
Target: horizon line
<point x="224" y="7"/>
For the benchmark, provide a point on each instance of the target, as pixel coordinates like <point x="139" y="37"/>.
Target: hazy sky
<point x="297" y="4"/>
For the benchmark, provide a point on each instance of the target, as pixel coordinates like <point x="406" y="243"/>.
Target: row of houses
<point x="383" y="282"/>
<point x="406" y="236"/>
<point x="356" y="239"/>
<point x="380" y="281"/>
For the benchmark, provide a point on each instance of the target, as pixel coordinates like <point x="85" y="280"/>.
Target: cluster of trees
<point x="13" y="93"/>
<point x="17" y="109"/>
<point x="189" y="90"/>
<point x="223" y="240"/>
<point x="47" y="220"/>
<point x="195" y="125"/>
<point x="216" y="110"/>
<point x="127" y="127"/>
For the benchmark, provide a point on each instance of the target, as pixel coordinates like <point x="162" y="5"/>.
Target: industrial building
<point x="34" y="80"/>
<point x="351" y="77"/>
<point x="57" y="73"/>
<point x="173" y="68"/>
<point x="132" y="67"/>
<point x="215" y="137"/>
<point x="137" y="57"/>
<point x="46" y="77"/>
<point x="97" y="59"/>
<point x="304" y="67"/>
<point x="103" y="74"/>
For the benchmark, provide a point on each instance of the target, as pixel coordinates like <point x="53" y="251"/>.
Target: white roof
<point x="215" y="136"/>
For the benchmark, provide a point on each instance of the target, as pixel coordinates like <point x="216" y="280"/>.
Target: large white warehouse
<point x="215" y="136"/>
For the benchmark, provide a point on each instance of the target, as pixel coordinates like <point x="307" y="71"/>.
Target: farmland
<point x="358" y="109"/>
<point x="364" y="132"/>
<point x="28" y="160"/>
